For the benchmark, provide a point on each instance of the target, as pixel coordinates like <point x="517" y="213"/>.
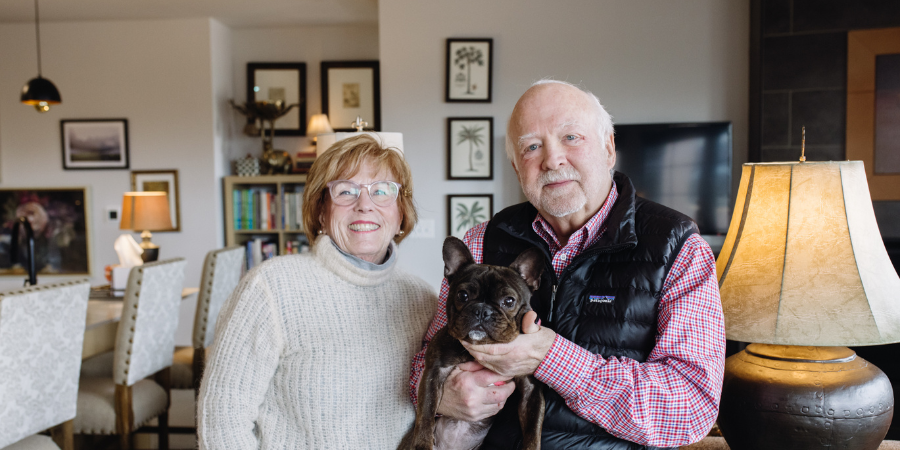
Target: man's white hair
<point x="603" y="118"/>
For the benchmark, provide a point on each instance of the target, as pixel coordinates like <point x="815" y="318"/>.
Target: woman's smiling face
<point x="363" y="229"/>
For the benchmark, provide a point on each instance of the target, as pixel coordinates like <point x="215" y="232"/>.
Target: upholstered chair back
<point x="145" y="341"/>
<point x="221" y="273"/>
<point x="41" y="337"/>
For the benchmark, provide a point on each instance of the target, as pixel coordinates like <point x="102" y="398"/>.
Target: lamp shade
<point x="803" y="262"/>
<point x="318" y="124"/>
<point x="387" y="139"/>
<point x="145" y="211"/>
<point x="39" y="90"/>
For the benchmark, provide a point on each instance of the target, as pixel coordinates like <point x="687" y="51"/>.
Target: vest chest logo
<point x="601" y="298"/>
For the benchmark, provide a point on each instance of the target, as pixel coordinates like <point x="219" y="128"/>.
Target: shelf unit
<point x="277" y="184"/>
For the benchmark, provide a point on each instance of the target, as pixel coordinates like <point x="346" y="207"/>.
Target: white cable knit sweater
<point x="313" y="352"/>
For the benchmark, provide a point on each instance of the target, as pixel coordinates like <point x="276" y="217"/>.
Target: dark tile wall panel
<point x="810" y="61"/>
<point x="822" y="15"/>
<point x="823" y="113"/>
<point x="776" y="116"/>
<point x="776" y="16"/>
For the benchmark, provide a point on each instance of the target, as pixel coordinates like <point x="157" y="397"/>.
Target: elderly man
<point x="632" y="342"/>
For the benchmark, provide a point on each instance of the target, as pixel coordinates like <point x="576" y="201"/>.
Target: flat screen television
<point x="685" y="166"/>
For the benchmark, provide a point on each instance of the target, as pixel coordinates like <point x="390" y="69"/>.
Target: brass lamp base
<point x="151" y="250"/>
<point x="791" y="397"/>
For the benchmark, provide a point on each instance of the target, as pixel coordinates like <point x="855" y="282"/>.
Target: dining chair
<point x="221" y="273"/>
<point x="125" y="398"/>
<point x="41" y="335"/>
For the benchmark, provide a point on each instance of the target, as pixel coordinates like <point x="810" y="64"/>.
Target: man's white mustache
<point x="559" y="175"/>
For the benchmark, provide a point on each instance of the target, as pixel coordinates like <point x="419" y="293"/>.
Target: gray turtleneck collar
<point x="366" y="265"/>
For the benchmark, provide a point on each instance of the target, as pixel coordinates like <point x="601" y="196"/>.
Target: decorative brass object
<point x="260" y="114"/>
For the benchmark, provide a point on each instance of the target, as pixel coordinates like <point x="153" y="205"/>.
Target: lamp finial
<point x="803" y="146"/>
<point x="359" y="124"/>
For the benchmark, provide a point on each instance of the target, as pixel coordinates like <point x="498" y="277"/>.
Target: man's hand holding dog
<point x="519" y="357"/>
<point x="473" y="393"/>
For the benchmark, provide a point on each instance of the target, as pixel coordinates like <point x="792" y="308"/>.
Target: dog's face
<point x="486" y="303"/>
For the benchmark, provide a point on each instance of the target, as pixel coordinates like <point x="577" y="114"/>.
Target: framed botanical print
<point x="351" y="89"/>
<point x="160" y="181"/>
<point x="94" y="143"/>
<point x="464" y="211"/>
<point x="59" y="222"/>
<point x="469" y="67"/>
<point x="470" y="148"/>
<point x="284" y="82"/>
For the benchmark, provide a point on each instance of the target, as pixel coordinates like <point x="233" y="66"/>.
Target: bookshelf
<point x="248" y="200"/>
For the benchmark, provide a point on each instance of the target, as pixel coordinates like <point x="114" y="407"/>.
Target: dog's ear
<point x="456" y="256"/>
<point x="530" y="265"/>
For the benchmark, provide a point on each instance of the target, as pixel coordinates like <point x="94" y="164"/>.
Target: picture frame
<point x="465" y="211"/>
<point x="470" y="148"/>
<point x="351" y="89"/>
<point x="469" y="70"/>
<point x="872" y="108"/>
<point x="284" y="81"/>
<point x="61" y="225"/>
<point x="160" y="181"/>
<point x="91" y="144"/>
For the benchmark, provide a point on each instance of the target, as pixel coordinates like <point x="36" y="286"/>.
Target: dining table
<point x="103" y="314"/>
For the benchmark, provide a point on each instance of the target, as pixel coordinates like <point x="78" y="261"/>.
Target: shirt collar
<point x="585" y="236"/>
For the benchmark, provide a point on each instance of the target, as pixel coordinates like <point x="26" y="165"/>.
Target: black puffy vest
<point x="629" y="263"/>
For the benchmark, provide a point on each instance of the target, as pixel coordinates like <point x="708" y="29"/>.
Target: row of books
<point x="259" y="250"/>
<point x="258" y="209"/>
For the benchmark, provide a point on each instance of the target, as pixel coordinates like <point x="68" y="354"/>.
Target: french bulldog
<point x="485" y="305"/>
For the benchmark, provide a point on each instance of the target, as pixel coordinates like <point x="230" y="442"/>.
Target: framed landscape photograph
<point x="94" y="143"/>
<point x="464" y="211"/>
<point x="470" y="148"/>
<point x="469" y="67"/>
<point x="351" y="89"/>
<point x="60" y="225"/>
<point x="284" y="82"/>
<point x="160" y="181"/>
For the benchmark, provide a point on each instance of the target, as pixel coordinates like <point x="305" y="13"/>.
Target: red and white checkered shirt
<point x="669" y="400"/>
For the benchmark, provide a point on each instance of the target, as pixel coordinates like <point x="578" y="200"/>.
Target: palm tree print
<point x="465" y="57"/>
<point x="468" y="218"/>
<point x="474" y="136"/>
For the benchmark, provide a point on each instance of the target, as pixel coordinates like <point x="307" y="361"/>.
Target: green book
<point x="236" y="200"/>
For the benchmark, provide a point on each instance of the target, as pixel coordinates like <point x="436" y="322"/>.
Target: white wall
<point x="648" y="61"/>
<point x="156" y="74"/>
<point x="309" y="44"/>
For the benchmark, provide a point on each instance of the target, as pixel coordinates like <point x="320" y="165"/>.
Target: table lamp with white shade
<point x="803" y="273"/>
<point x="318" y="124"/>
<point x="146" y="212"/>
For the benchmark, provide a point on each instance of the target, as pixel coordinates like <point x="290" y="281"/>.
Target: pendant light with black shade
<point x="39" y="92"/>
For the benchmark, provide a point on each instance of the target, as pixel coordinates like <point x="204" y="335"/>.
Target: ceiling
<point x="234" y="13"/>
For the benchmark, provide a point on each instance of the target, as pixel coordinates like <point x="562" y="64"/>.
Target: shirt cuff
<point x="565" y="367"/>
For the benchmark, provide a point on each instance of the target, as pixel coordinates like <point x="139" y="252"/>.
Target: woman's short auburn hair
<point x="343" y="160"/>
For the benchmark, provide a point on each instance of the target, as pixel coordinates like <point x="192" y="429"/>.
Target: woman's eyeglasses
<point x="346" y="192"/>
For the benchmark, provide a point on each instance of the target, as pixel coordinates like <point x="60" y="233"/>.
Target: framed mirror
<point x="285" y="82"/>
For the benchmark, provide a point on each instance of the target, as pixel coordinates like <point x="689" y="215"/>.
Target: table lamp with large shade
<point x="146" y="212"/>
<point x="804" y="273"/>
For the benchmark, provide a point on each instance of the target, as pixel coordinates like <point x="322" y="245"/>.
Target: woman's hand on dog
<point x="473" y="393"/>
<point x="519" y="357"/>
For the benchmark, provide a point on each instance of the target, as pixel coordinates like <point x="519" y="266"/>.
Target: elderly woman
<point x="313" y="350"/>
